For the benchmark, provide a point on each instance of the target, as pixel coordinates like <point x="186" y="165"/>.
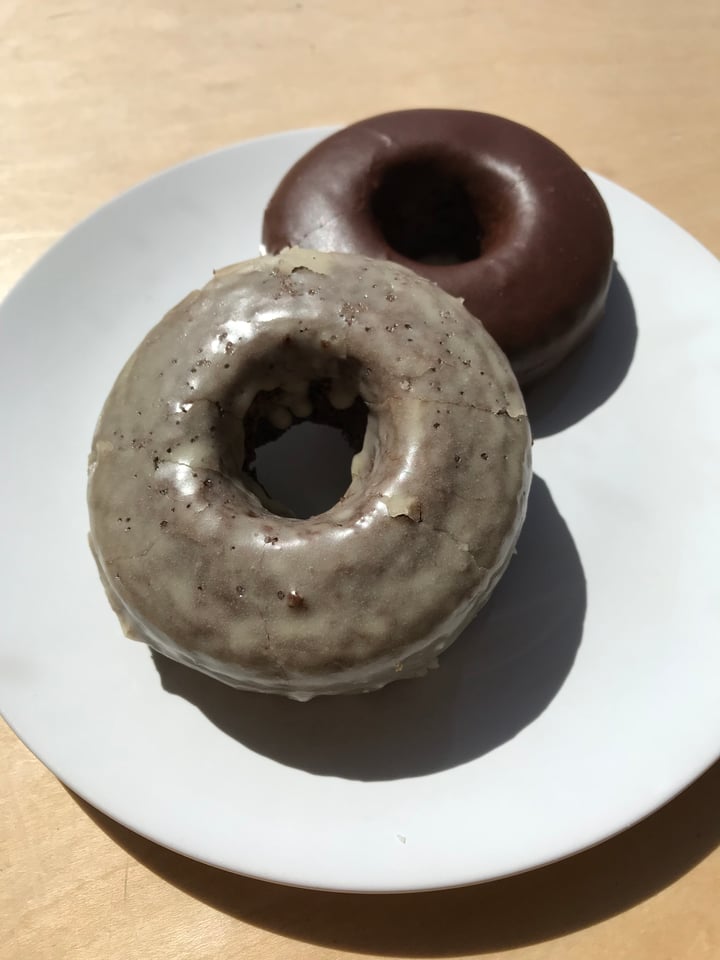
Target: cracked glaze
<point x="195" y="561"/>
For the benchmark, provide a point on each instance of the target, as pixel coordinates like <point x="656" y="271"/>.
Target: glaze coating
<point x="490" y="210"/>
<point x="201" y="565"/>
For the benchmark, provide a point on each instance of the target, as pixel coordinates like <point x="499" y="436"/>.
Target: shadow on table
<point x="521" y="910"/>
<point x="495" y="680"/>
<point x="592" y="373"/>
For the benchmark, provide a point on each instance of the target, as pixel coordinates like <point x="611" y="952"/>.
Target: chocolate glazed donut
<point x="488" y="209"/>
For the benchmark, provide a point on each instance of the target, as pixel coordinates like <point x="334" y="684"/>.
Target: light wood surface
<point x="96" y="96"/>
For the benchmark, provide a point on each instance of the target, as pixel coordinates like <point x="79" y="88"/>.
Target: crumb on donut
<point x="295" y="600"/>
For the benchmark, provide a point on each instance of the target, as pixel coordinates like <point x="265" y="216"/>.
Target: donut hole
<point x="426" y="213"/>
<point x="303" y="469"/>
<point x="307" y="469"/>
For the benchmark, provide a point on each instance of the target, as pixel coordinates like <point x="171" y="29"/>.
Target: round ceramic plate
<point x="585" y="695"/>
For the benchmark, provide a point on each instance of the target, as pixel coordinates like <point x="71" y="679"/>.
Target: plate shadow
<point x="530" y="908"/>
<point x="496" y="679"/>
<point x="592" y="373"/>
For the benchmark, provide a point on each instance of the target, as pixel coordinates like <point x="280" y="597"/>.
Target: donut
<point x="488" y="209"/>
<point x="197" y="560"/>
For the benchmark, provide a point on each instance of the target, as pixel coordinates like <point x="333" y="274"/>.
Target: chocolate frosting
<point x="490" y="210"/>
<point x="201" y="565"/>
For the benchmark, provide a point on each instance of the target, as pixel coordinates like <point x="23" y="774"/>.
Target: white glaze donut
<point x="195" y="561"/>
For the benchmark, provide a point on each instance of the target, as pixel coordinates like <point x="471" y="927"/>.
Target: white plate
<point x="589" y="697"/>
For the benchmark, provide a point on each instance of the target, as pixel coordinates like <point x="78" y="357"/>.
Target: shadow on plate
<point x="496" y="679"/>
<point x="592" y="373"/>
<point x="503" y="915"/>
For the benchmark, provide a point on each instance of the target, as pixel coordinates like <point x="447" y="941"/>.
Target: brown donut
<point x="200" y="564"/>
<point x="488" y="209"/>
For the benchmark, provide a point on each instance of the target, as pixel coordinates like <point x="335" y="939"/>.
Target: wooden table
<point x="94" y="97"/>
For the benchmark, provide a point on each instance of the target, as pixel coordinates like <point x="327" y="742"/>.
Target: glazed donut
<point x="488" y="209"/>
<point x="200" y="564"/>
